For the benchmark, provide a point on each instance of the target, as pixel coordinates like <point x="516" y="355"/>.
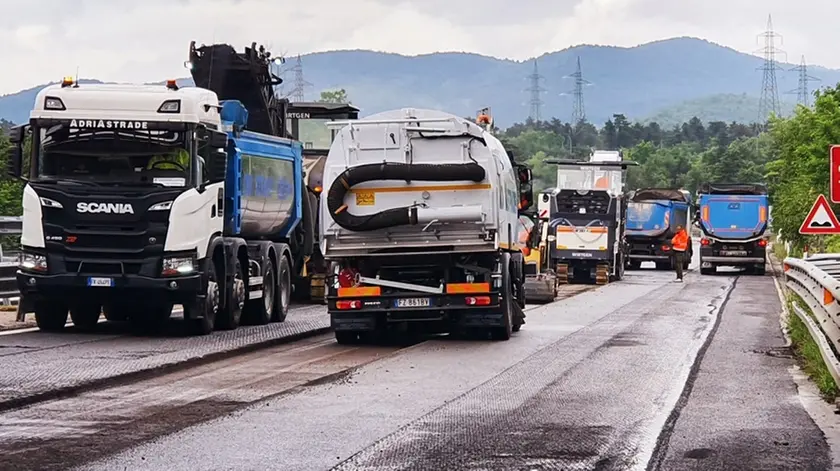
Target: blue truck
<point x="142" y="197"/>
<point x="733" y="219"/>
<point x="653" y="215"/>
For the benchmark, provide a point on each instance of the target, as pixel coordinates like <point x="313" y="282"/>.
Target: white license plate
<point x="107" y="282"/>
<point x="413" y="302"/>
<point x="734" y="253"/>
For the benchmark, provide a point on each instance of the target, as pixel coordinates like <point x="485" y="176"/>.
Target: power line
<point x="578" y="107"/>
<point x="802" y="91"/>
<point x="536" y="90"/>
<point x="769" y="102"/>
<point x="298" y="94"/>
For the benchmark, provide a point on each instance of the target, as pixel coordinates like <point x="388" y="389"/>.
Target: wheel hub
<point x="213" y="296"/>
<point x="239" y="292"/>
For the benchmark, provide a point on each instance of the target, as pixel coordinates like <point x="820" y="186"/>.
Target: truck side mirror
<point x="526" y="188"/>
<point x="14" y="164"/>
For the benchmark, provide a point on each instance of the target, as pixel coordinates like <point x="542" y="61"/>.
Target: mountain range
<point x="668" y="81"/>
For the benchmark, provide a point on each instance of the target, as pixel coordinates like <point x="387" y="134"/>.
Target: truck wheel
<point x="231" y="313"/>
<point x="149" y="318"/>
<point x="85" y="316"/>
<point x="259" y="311"/>
<point x="284" y="291"/>
<point x="759" y="270"/>
<point x="113" y="313"/>
<point x="202" y="315"/>
<point x="51" y="316"/>
<point x="634" y="264"/>
<point x="504" y="331"/>
<point x="708" y="271"/>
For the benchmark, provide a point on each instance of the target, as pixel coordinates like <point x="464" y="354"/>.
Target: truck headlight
<point x="32" y="262"/>
<point x="165" y="206"/>
<point x="180" y="265"/>
<point x="51" y="203"/>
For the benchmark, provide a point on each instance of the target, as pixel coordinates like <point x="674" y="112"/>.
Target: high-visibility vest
<point x="680" y="241"/>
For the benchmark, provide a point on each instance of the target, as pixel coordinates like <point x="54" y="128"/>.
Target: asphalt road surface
<point x="642" y="374"/>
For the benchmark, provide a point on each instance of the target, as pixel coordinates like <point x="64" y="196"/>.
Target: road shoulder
<point x="744" y="410"/>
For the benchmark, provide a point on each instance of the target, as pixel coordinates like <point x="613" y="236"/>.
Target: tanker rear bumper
<point x="444" y="311"/>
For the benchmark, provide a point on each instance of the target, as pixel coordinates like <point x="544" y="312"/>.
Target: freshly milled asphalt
<point x="37" y="365"/>
<point x="589" y="383"/>
<point x="743" y="411"/>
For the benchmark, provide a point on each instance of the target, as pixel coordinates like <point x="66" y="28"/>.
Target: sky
<point x="143" y="41"/>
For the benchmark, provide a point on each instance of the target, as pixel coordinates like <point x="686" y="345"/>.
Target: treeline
<point x="799" y="170"/>
<point x="681" y="156"/>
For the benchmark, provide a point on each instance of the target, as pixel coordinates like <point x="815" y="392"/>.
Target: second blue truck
<point x="734" y="221"/>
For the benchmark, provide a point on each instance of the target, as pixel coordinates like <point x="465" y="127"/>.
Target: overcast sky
<point x="148" y="40"/>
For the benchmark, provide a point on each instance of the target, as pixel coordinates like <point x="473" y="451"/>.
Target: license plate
<point x="107" y="282"/>
<point x="413" y="302"/>
<point x="734" y="253"/>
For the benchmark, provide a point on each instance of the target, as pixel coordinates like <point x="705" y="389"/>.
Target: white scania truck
<point x="420" y="225"/>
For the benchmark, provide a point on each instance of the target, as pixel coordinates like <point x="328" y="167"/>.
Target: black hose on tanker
<point x="391" y="171"/>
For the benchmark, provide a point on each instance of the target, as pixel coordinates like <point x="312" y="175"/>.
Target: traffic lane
<point x="396" y="399"/>
<point x="743" y="410"/>
<point x="47" y="364"/>
<point x="60" y="433"/>
<point x="595" y="400"/>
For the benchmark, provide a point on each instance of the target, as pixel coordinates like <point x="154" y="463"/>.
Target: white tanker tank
<point x="389" y="176"/>
<point x="422" y="202"/>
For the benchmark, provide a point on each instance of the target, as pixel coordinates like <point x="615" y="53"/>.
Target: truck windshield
<point x="154" y="157"/>
<point x="589" y="178"/>
<point x="314" y="133"/>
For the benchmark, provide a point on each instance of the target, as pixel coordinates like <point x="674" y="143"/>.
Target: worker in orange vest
<point x="679" y="244"/>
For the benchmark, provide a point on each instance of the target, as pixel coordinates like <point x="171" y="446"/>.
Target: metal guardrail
<point x="816" y="280"/>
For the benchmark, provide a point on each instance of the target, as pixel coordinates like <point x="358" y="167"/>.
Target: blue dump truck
<point x="653" y="216"/>
<point x="734" y="220"/>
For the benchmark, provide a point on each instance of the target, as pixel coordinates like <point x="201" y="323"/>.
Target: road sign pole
<point x="834" y="161"/>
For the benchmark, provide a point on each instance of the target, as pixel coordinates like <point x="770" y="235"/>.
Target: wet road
<point x="646" y="373"/>
<point x="591" y="382"/>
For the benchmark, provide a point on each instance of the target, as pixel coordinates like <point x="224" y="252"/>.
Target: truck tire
<point x="50" y="316"/>
<point x="201" y="315"/>
<point x="259" y="311"/>
<point x="346" y="337"/>
<point x="149" y="319"/>
<point x="85" y="316"/>
<point x="634" y="264"/>
<point x="708" y="271"/>
<point x="284" y="291"/>
<point x="231" y="314"/>
<point x="759" y="270"/>
<point x="505" y="331"/>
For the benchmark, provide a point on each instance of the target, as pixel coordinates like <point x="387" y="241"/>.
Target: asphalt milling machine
<point x="580" y="228"/>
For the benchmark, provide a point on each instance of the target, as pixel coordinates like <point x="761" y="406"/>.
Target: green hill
<point x="639" y="82"/>
<point x="725" y="107"/>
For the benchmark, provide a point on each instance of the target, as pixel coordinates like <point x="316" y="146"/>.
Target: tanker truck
<point x="419" y="225"/>
<point x="142" y="197"/>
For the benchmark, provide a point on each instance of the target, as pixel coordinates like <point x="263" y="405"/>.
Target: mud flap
<point x="26" y="304"/>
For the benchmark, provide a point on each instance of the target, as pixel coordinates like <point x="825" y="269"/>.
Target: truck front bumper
<point x="177" y="288"/>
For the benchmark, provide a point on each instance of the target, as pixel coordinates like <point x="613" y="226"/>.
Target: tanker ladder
<point x="602" y="274"/>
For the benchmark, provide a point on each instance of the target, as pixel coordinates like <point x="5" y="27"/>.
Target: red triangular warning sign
<point x="821" y="219"/>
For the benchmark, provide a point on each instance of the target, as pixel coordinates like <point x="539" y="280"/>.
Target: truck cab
<point x="124" y="185"/>
<point x="307" y="122"/>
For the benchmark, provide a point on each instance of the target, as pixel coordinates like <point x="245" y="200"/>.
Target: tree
<point x="799" y="170"/>
<point x="334" y="96"/>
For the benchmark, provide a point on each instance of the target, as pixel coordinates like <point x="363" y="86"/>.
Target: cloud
<point x="147" y="41"/>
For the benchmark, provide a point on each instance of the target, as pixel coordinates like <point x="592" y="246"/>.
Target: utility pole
<point x="578" y="108"/>
<point x="536" y="90"/>
<point x="299" y="92"/>
<point x="802" y="91"/>
<point x="769" y="102"/>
